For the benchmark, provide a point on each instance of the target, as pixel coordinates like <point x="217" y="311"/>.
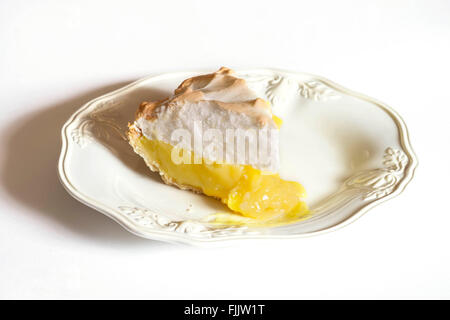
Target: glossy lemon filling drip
<point x="278" y="121"/>
<point x="244" y="189"/>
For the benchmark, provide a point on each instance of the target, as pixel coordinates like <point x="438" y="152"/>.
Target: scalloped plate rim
<point x="176" y="237"/>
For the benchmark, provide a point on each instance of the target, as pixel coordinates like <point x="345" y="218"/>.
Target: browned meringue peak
<point x="222" y="88"/>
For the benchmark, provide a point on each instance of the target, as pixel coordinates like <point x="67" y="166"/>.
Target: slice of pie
<point x="216" y="137"/>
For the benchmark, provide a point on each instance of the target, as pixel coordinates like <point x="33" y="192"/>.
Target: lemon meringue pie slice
<point x="216" y="137"/>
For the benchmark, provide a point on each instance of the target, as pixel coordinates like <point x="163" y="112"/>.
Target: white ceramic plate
<point x="349" y="151"/>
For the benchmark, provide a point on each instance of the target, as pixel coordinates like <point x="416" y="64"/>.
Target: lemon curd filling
<point x="251" y="192"/>
<point x="278" y="121"/>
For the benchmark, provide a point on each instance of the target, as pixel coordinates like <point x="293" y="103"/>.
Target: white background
<point x="57" y="55"/>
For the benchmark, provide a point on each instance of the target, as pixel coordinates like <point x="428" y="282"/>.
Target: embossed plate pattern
<point x="350" y="151"/>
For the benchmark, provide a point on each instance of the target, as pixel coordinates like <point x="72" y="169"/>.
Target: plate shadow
<point x="29" y="173"/>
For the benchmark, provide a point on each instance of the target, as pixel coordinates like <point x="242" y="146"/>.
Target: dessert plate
<point x="350" y="152"/>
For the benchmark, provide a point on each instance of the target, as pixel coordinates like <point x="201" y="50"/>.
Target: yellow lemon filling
<point x="244" y="189"/>
<point x="278" y="121"/>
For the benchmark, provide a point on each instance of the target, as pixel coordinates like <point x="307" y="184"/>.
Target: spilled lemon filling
<point x="246" y="190"/>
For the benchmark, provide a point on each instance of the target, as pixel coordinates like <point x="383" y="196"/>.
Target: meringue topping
<point x="218" y="101"/>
